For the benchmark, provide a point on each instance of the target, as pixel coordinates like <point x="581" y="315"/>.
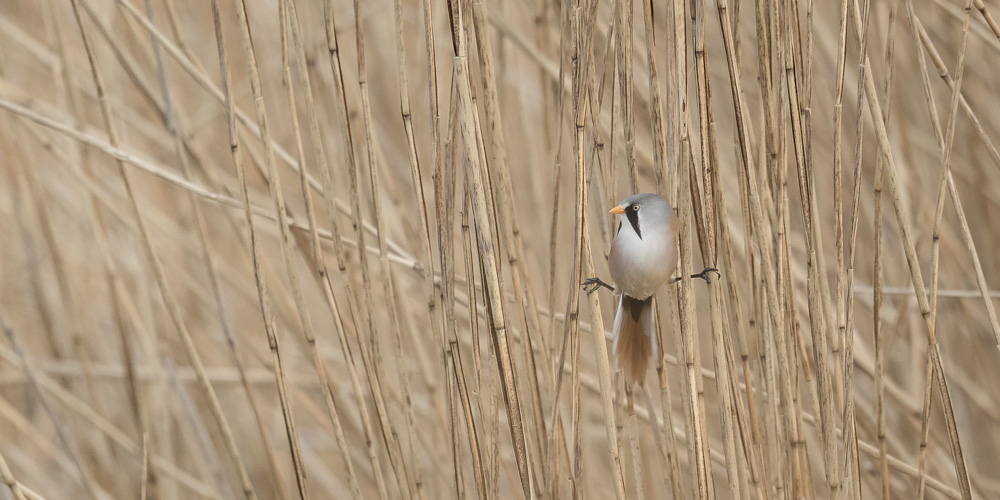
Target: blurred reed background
<point x="323" y="249"/>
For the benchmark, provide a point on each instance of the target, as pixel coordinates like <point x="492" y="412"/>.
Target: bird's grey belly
<point x="640" y="269"/>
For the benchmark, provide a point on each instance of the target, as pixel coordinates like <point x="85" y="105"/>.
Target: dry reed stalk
<point x="566" y="20"/>
<point x="463" y="391"/>
<point x="66" y="440"/>
<point x="37" y="439"/>
<point x="709" y="248"/>
<point x="623" y="45"/>
<point x="571" y="327"/>
<point x="196" y="435"/>
<point x="320" y="151"/>
<point x="945" y="75"/>
<point x="288" y="15"/>
<point x="604" y="377"/>
<point x="614" y="57"/>
<point x="264" y="300"/>
<point x="878" y="329"/>
<point x="694" y="403"/>
<point x="577" y="428"/>
<point x="994" y="27"/>
<point x="724" y="367"/>
<point x="153" y="258"/>
<point x="737" y="93"/>
<point x="878" y="269"/>
<point x="29" y="493"/>
<point x="96" y="420"/>
<point x="277" y="197"/>
<point x="790" y="344"/>
<point x="433" y="108"/>
<point x="373" y="361"/>
<point x="679" y="74"/>
<point x="509" y="230"/>
<point x="861" y="23"/>
<point x="775" y="353"/>
<point x="817" y="312"/>
<point x="170" y="121"/>
<point x="493" y="436"/>
<point x="355" y="382"/>
<point x="96" y="447"/>
<point x="107" y="428"/>
<point x="602" y="137"/>
<point x="485" y="231"/>
<point x="96" y="220"/>
<point x="251" y="126"/>
<point x="107" y="200"/>
<point x="698" y="222"/>
<point x="9" y="481"/>
<point x="945" y="150"/>
<point x="494" y="222"/>
<point x="25" y="192"/>
<point x="583" y="76"/>
<point x="350" y="158"/>
<point x="484" y="470"/>
<point x="851" y="459"/>
<point x="373" y="382"/>
<point x="844" y="337"/>
<point x="444" y="203"/>
<point x="175" y="128"/>
<point x="415" y="171"/>
<point x="144" y="474"/>
<point x="453" y="421"/>
<point x="660" y="168"/>
<point x="935" y="250"/>
<point x="406" y="485"/>
<point x="471" y="292"/>
<point x="633" y="438"/>
<point x="770" y="402"/>
<point x="670" y="450"/>
<point x="918" y="286"/>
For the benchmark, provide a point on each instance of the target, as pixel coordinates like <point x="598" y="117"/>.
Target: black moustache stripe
<point x="633" y="218"/>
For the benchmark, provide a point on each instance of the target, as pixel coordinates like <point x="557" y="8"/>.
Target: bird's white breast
<point x="640" y="266"/>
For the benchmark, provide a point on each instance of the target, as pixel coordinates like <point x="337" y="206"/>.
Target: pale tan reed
<point x="379" y="294"/>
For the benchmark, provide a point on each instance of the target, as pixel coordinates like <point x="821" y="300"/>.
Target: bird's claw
<point x="704" y="274"/>
<point x="595" y="283"/>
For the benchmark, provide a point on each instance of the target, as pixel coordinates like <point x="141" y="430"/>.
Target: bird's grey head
<point x="644" y="210"/>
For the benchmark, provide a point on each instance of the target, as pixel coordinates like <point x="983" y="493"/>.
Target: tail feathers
<point x="635" y="337"/>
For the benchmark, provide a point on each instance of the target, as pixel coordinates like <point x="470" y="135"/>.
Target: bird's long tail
<point x="635" y="337"/>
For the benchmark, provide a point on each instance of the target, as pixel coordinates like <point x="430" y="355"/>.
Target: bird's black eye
<point x="635" y="207"/>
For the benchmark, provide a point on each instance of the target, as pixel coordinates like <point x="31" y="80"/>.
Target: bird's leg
<point x="596" y="283"/>
<point x="703" y="275"/>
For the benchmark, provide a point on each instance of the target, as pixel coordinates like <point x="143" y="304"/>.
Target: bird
<point x="643" y="257"/>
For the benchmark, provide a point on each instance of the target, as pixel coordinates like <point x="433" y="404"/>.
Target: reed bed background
<point x="323" y="249"/>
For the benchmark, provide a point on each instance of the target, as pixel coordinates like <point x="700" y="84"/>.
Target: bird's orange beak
<point x="617" y="210"/>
